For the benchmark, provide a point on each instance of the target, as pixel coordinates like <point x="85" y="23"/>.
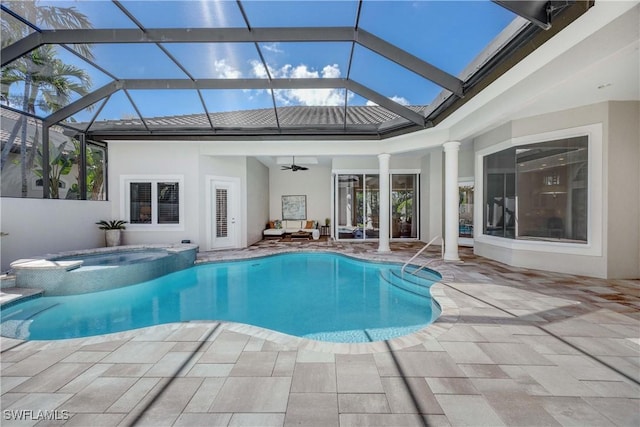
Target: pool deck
<point x="513" y="347"/>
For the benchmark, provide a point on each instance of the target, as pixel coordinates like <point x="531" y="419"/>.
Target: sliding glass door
<point x="358" y="206"/>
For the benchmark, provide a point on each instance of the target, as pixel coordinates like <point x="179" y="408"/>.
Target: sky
<point x="447" y="34"/>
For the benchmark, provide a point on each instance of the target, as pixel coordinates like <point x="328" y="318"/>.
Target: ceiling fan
<point x="294" y="167"/>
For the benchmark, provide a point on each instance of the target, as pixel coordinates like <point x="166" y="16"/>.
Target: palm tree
<point x="47" y="81"/>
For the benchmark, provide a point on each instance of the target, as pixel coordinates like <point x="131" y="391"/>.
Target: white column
<point x="451" y="209"/>
<point x="383" y="233"/>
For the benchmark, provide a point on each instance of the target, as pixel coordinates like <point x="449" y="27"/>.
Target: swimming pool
<point x="320" y="296"/>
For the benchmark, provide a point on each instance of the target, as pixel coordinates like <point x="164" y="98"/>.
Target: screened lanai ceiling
<point x="225" y="69"/>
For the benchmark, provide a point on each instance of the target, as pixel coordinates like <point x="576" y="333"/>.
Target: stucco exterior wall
<point x="623" y="181"/>
<point x="431" y="197"/>
<point x="38" y="226"/>
<point x="156" y="159"/>
<point x="257" y="199"/>
<point x="314" y="183"/>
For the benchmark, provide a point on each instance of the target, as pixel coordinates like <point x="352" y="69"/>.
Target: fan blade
<point x="284" y="168"/>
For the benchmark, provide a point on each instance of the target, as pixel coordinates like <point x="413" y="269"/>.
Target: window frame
<point x="154" y="180"/>
<point x="595" y="194"/>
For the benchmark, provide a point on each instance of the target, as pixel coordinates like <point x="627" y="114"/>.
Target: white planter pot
<point x="113" y="237"/>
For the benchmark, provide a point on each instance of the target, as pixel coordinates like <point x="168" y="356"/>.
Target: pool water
<point x="320" y="296"/>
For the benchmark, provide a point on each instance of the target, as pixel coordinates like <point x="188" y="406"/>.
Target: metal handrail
<point x="404" y="266"/>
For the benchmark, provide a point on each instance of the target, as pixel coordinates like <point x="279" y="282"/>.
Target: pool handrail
<point x="404" y="266"/>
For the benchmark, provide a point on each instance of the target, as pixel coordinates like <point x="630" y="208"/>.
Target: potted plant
<point x="327" y="222"/>
<point x="112" y="231"/>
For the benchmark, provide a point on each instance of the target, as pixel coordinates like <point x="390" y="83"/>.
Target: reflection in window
<point x="500" y="195"/>
<point x="465" y="210"/>
<point x="369" y="221"/>
<point x="168" y="197"/>
<point x="538" y="191"/>
<point x="21" y="142"/>
<point x="552" y="190"/>
<point x="403" y="205"/>
<point x="95" y="167"/>
<point x="349" y="187"/>
<point x="140" y="203"/>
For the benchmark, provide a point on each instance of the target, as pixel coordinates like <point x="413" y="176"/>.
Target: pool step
<point x="16" y="324"/>
<point x="423" y="273"/>
<point x="407" y="282"/>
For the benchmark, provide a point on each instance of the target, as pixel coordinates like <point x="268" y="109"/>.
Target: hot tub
<point x="95" y="270"/>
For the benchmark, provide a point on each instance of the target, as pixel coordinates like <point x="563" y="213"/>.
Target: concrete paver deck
<point x="513" y="347"/>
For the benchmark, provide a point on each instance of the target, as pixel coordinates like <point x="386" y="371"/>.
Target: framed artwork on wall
<point x="294" y="207"/>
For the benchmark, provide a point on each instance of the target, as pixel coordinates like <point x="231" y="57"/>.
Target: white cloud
<point x="224" y="70"/>
<point x="272" y="47"/>
<point x="303" y="96"/>
<point x="257" y="70"/>
<point x="399" y="99"/>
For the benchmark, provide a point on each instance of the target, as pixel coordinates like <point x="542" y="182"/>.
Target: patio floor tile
<point x="519" y="409"/>
<point x="256" y="419"/>
<point x="410" y="395"/>
<point x="254" y="364"/>
<point x="312" y="409"/>
<point x="139" y="352"/>
<point x="52" y="378"/>
<point x="363" y="403"/>
<point x="99" y="395"/>
<point x="385" y="420"/>
<point x="94" y="420"/>
<point x="132" y="397"/>
<point x="210" y="420"/>
<point x="357" y="374"/>
<point x="465" y="410"/>
<point x="205" y="395"/>
<point x="314" y="378"/>
<point x="574" y="412"/>
<point x="253" y="394"/>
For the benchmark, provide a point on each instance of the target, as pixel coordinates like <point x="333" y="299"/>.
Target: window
<point x="153" y="201"/>
<point x="538" y="191"/>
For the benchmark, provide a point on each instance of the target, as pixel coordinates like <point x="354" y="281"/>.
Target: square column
<point x="451" y="208"/>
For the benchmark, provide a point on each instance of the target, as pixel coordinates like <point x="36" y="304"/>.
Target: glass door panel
<point x="404" y="205"/>
<point x="349" y="189"/>
<point x="371" y="209"/>
<point x="465" y="210"/>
